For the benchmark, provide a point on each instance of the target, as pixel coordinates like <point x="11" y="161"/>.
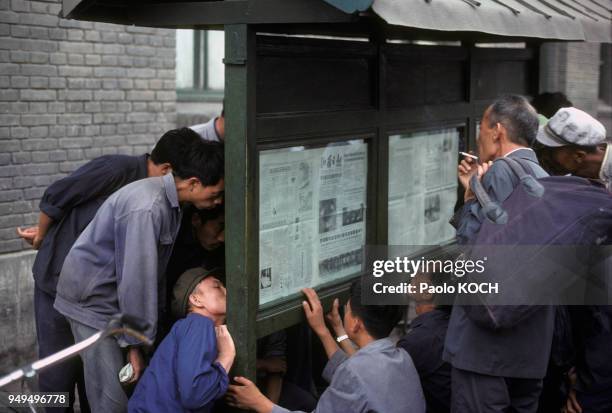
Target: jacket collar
<point x="523" y="153"/>
<point x="170" y="187"/>
<point x="377" y="346"/>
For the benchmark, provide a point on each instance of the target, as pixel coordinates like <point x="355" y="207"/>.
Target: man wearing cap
<point x="189" y="370"/>
<point x="199" y="243"/>
<point x="575" y="143"/>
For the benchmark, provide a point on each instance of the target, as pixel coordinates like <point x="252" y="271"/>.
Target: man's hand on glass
<point x="334" y="319"/>
<point x="314" y="312"/>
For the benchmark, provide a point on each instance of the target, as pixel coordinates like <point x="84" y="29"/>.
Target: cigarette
<point x="469" y="155"/>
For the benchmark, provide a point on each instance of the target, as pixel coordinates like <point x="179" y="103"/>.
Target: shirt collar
<point x="170" y="187"/>
<point x="517" y="149"/>
<point x="605" y="172"/>
<point x="377" y="345"/>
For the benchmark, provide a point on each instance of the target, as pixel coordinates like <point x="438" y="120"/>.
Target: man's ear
<point x="500" y="132"/>
<point x="357" y="325"/>
<point x="195" y="301"/>
<point x="165" y="168"/>
<point x="192" y="183"/>
<point x="579" y="156"/>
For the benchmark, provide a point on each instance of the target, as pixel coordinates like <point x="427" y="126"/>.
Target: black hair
<point x="203" y="160"/>
<point x="518" y="117"/>
<point x="548" y="103"/>
<point x="586" y="148"/>
<point x="210" y="214"/>
<point x="172" y="146"/>
<point x="378" y="320"/>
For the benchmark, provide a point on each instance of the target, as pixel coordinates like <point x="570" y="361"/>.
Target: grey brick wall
<point x="71" y="91"/>
<point x="572" y="68"/>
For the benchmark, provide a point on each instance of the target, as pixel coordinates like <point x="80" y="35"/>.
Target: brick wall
<point x="71" y="91"/>
<point x="572" y="68"/>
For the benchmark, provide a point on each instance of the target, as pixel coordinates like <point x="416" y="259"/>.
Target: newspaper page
<point x="311" y="216"/>
<point x="422" y="187"/>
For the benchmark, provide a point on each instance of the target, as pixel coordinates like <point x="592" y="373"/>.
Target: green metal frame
<point x="241" y="208"/>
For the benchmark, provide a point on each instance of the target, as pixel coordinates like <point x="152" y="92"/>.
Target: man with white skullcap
<point x="575" y="143"/>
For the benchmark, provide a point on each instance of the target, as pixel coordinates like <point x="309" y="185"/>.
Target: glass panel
<point x="422" y="187"/>
<point x="184" y="59"/>
<point x="312" y="209"/>
<point x="215" y="70"/>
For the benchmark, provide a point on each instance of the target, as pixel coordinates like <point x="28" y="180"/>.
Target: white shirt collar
<point x="517" y="149"/>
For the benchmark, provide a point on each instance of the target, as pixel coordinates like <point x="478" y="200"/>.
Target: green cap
<point x="185" y="285"/>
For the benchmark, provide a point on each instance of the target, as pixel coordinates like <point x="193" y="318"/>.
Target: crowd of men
<point x="143" y="235"/>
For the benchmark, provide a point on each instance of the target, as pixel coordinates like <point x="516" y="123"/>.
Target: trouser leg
<point x="102" y="363"/>
<point x="478" y="393"/>
<point x="54" y="334"/>
<point x="600" y="402"/>
<point x="524" y="394"/>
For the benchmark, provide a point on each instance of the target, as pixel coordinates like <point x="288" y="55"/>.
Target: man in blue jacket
<point x="189" y="369"/>
<point x="66" y="208"/>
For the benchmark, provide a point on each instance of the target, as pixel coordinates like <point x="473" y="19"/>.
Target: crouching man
<point x="379" y="377"/>
<point x="188" y="371"/>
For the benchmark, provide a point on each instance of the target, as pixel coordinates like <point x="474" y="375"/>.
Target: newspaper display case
<point x="303" y="77"/>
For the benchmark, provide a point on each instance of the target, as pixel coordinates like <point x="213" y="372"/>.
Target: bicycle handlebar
<point x="119" y="324"/>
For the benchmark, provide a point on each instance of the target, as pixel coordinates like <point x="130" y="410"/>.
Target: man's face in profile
<point x="211" y="293"/>
<point x="211" y="233"/>
<point x="548" y="159"/>
<point x="207" y="197"/>
<point x="487" y="147"/>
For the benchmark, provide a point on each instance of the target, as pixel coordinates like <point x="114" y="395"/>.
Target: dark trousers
<point x="600" y="402"/>
<point x="54" y="334"/>
<point x="478" y="393"/>
<point x="293" y="397"/>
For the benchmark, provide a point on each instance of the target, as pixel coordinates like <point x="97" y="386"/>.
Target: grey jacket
<point x="523" y="350"/>
<point x="117" y="263"/>
<point x="378" y="378"/>
<point x="499" y="182"/>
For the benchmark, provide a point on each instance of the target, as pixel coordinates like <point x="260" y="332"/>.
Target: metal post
<point x="241" y="223"/>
